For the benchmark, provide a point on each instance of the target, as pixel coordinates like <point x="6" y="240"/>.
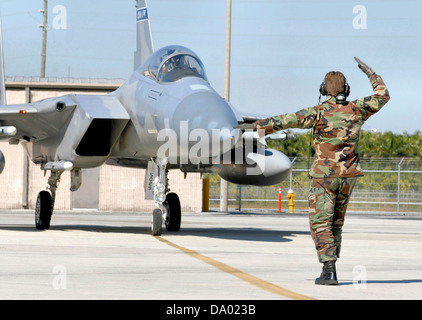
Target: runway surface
<point x="224" y="256"/>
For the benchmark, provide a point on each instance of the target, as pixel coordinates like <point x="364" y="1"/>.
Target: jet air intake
<point x="97" y="123"/>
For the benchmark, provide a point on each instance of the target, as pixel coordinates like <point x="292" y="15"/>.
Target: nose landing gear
<point x="168" y="204"/>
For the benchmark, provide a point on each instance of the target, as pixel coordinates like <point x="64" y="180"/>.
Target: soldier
<point x="336" y="125"/>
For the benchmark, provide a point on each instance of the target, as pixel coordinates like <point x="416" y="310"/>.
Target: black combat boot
<point x="328" y="275"/>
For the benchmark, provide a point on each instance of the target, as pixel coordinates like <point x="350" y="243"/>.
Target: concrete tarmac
<point x="224" y="256"/>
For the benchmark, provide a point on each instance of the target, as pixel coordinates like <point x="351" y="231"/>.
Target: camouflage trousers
<point x="328" y="200"/>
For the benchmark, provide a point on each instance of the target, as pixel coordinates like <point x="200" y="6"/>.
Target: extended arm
<point x="303" y="119"/>
<point x="372" y="104"/>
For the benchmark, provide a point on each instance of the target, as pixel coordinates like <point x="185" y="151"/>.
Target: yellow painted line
<point x="262" y="284"/>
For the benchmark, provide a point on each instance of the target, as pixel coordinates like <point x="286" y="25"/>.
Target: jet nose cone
<point x="204" y="123"/>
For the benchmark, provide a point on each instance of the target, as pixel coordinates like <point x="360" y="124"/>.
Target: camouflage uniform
<point x="336" y="166"/>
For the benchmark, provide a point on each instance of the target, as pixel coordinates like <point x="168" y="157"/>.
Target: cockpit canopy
<point x="172" y="63"/>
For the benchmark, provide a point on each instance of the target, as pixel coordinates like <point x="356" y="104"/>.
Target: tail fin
<point x="2" y="81"/>
<point x="144" y="46"/>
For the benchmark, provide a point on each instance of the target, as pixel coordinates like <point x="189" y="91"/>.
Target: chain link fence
<point x="389" y="185"/>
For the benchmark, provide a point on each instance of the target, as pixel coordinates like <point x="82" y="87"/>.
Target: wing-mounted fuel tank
<point x="7" y="131"/>
<point x="88" y="134"/>
<point x="258" y="167"/>
<point x="252" y="163"/>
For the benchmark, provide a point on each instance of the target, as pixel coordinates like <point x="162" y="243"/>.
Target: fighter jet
<point x="165" y="116"/>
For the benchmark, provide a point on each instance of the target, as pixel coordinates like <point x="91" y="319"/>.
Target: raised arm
<point x="372" y="104"/>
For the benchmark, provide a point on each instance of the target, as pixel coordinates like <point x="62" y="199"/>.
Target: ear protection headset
<point x="323" y="88"/>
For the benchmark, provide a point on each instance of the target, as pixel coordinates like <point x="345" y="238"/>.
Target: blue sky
<point x="281" y="49"/>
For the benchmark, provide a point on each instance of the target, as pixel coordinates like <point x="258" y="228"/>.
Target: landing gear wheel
<point x="174" y="213"/>
<point x="157" y="222"/>
<point x="43" y="210"/>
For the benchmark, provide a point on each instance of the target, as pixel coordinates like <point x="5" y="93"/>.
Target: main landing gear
<point x="168" y="211"/>
<point x="45" y="202"/>
<point x="168" y="204"/>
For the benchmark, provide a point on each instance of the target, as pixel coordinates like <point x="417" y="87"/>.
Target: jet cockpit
<point x="173" y="63"/>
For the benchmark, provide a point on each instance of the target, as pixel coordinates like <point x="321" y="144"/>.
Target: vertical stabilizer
<point x="144" y="46"/>
<point x="2" y="81"/>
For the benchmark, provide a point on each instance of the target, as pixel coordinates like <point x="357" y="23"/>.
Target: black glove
<point x="364" y="67"/>
<point x="245" y="126"/>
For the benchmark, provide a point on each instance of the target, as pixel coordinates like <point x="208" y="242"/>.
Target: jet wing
<point x="35" y="121"/>
<point x="65" y="119"/>
<point x="252" y="117"/>
<point x="246" y="117"/>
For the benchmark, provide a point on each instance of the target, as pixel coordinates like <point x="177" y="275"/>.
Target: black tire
<point x="174" y="212"/>
<point x="157" y="222"/>
<point x="43" y="211"/>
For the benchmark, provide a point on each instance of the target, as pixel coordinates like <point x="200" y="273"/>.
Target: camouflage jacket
<point x="336" y="130"/>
